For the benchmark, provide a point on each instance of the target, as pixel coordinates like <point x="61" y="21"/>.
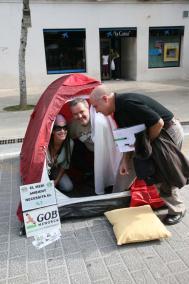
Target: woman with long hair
<point x="59" y="155"/>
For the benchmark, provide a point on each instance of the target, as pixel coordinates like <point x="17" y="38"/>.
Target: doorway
<point x="118" y="54"/>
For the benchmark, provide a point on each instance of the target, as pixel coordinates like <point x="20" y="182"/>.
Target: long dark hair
<point x="65" y="144"/>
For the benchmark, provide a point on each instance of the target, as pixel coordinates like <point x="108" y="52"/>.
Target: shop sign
<point x="37" y="195"/>
<point x="110" y="33"/>
<point x="41" y="220"/>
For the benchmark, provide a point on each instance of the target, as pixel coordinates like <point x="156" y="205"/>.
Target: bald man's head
<point x="99" y="92"/>
<point x="102" y="100"/>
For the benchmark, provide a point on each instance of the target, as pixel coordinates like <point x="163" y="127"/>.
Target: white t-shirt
<point x="105" y="59"/>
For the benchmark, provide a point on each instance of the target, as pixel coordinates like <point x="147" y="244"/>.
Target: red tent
<point x="38" y="133"/>
<point x="36" y="140"/>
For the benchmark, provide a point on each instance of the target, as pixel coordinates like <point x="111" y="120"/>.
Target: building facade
<point x="147" y="40"/>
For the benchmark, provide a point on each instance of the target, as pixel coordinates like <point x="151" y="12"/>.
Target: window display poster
<point x="171" y="51"/>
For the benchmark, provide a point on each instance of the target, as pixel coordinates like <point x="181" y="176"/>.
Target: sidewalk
<point x="172" y="94"/>
<point x="87" y="252"/>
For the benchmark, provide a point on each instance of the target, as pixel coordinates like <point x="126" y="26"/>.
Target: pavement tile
<point x="89" y="250"/>
<point x="34" y="254"/>
<point x="19" y="280"/>
<point x="158" y="268"/>
<point x="83" y="235"/>
<point x="3" y="259"/>
<point x="37" y="271"/>
<point x="80" y="278"/>
<point x="165" y="252"/>
<point x="55" y="262"/>
<point x="70" y="245"/>
<point x="96" y="269"/>
<point x="120" y="274"/>
<point x="58" y="275"/>
<point x="183" y="278"/>
<point x="17" y="248"/>
<point x="103" y="239"/>
<point x="75" y="263"/>
<point x="170" y="279"/>
<point x="3" y="274"/>
<point x="143" y="276"/>
<point x="3" y="247"/>
<point x="17" y="266"/>
<point x="110" y="255"/>
<point x="133" y="261"/>
<point x="177" y="266"/>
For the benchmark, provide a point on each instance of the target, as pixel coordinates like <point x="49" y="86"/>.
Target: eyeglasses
<point x="58" y="128"/>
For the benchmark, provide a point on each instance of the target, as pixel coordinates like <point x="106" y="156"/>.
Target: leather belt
<point x="168" y="124"/>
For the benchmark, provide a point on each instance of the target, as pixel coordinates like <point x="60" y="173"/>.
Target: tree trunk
<point x="26" y="23"/>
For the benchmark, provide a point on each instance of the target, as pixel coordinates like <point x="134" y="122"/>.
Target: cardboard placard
<point x="37" y="195"/>
<point x="125" y="137"/>
<point x="41" y="220"/>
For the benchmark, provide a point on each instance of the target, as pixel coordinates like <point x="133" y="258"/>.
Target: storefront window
<point x="165" y="46"/>
<point x="65" y="50"/>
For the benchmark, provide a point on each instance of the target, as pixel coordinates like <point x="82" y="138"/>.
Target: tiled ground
<point x="87" y="251"/>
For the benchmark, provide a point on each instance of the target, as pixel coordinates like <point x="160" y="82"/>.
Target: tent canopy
<point x="52" y="102"/>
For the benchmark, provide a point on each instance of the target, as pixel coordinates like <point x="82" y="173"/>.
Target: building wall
<point x="90" y="15"/>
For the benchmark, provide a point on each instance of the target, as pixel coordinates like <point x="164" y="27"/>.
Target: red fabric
<point x="38" y="132"/>
<point x="141" y="194"/>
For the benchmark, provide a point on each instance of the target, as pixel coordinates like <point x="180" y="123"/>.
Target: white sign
<point x="41" y="220"/>
<point x="125" y="137"/>
<point x="45" y="239"/>
<point x="37" y="195"/>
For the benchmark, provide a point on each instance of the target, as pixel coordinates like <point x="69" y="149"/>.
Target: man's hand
<point x="124" y="168"/>
<point x="154" y="130"/>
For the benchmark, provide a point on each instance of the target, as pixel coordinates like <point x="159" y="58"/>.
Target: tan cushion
<point x="136" y="224"/>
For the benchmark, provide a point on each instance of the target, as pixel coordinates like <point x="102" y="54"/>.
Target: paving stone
<point x="58" y="275"/>
<point x="170" y="279"/>
<point x="183" y="278"/>
<point x="4" y="238"/>
<point x="157" y="267"/>
<point x="177" y="266"/>
<point x="143" y="276"/>
<point x="120" y="274"/>
<point x="104" y="281"/>
<point x="3" y="274"/>
<point x="3" y="247"/>
<point x="17" y="248"/>
<point x="3" y="259"/>
<point x="79" y="224"/>
<point x="4" y="228"/>
<point x="110" y="255"/>
<point x="89" y="250"/>
<point x="83" y="235"/>
<point x="56" y="252"/>
<point x="103" y="239"/>
<point x="75" y="263"/>
<point x="55" y="262"/>
<point x="37" y="271"/>
<point x="146" y="249"/>
<point x="80" y="278"/>
<point x="165" y="252"/>
<point x="55" y="245"/>
<point x="35" y="254"/>
<point x="96" y="269"/>
<point x="183" y="253"/>
<point x="19" y="280"/>
<point x="17" y="266"/>
<point x="70" y="245"/>
<point x="3" y="281"/>
<point x="133" y="261"/>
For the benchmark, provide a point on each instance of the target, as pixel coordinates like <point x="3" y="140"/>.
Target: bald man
<point x="130" y="109"/>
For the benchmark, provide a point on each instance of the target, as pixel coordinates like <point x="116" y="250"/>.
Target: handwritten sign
<point x="37" y="195"/>
<point x="125" y="137"/>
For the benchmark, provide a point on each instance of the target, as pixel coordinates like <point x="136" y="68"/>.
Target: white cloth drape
<point x="106" y="155"/>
